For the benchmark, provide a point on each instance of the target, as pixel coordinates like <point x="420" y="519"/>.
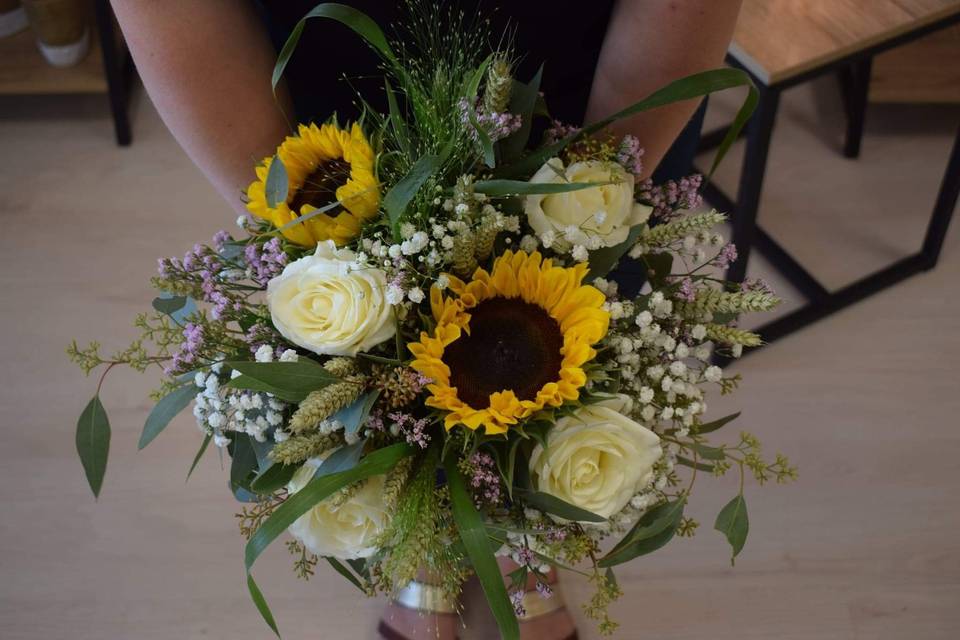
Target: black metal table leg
<point x="943" y="209"/>
<point x="856" y="89"/>
<point x="114" y="64"/>
<point x="744" y="221"/>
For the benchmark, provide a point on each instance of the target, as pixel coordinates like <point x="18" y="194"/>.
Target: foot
<point x="555" y="625"/>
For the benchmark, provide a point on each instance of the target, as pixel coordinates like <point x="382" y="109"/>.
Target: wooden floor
<point x="865" y="546"/>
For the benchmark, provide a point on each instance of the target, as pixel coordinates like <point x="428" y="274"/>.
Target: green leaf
<point x="318" y="489"/>
<point x="655" y="529"/>
<point x="603" y="261"/>
<point x="93" y="443"/>
<point x="732" y="522"/>
<point x="558" y="507"/>
<point x="196" y="459"/>
<point x="360" y="22"/>
<point x="523" y="102"/>
<point x="290" y="381"/>
<point x="693" y="86"/>
<point x="355" y="415"/>
<point x="396" y="201"/>
<point x="397" y="121"/>
<point x="659" y="266"/>
<point x="273" y="478"/>
<point x="474" y="538"/>
<point x="497" y="188"/>
<point x="164" y="411"/>
<point x="277" y="182"/>
<point x="654" y="522"/>
<point x="707" y="452"/>
<point x="687" y="462"/>
<point x="486" y="144"/>
<point x="342" y="459"/>
<point x="717" y="424"/>
<point x="243" y="463"/>
<point x="346" y="573"/>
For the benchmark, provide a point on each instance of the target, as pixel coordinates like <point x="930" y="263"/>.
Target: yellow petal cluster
<point x="303" y="154"/>
<point x="577" y="309"/>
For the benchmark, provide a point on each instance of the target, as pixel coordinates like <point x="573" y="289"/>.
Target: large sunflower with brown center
<point x="510" y="342"/>
<point x="324" y="165"/>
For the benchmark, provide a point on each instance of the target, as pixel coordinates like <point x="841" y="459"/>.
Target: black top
<point x="566" y="41"/>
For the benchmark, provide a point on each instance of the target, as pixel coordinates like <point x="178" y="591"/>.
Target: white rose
<point x="597" y="458"/>
<point x="349" y="531"/>
<point x="605" y="213"/>
<point x="326" y="304"/>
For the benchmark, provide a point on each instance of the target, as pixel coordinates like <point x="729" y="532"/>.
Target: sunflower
<point x="511" y="342"/>
<point x="324" y="164"/>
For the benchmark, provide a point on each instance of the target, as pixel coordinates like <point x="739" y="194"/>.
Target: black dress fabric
<point x="566" y="42"/>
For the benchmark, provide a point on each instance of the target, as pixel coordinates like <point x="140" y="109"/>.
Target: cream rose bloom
<point x="604" y="214"/>
<point x="347" y="532"/>
<point x="326" y="304"/>
<point x="597" y="458"/>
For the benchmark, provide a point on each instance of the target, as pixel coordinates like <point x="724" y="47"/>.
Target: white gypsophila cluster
<point x="219" y="409"/>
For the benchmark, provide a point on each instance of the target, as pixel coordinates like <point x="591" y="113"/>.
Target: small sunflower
<point x="324" y="164"/>
<point x="510" y="342"/>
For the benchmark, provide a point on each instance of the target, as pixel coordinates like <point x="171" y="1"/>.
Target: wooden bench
<point x="783" y="43"/>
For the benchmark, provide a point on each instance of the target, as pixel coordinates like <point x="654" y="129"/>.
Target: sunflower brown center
<point x="320" y="187"/>
<point x="512" y="345"/>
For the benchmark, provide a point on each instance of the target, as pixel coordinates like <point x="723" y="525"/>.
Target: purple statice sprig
<point x="497" y="126"/>
<point x="483" y="478"/>
<point x="671" y="197"/>
<point x="413" y="429"/>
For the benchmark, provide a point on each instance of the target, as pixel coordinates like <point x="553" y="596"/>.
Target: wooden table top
<point x="779" y="39"/>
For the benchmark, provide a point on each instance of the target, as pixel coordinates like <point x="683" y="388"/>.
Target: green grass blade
<point x="473" y="534"/>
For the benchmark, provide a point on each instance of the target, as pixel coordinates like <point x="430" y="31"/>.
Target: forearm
<point x="650" y="43"/>
<point x="206" y="65"/>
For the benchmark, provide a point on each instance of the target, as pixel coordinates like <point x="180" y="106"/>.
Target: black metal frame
<point x="118" y="68"/>
<point x="747" y="234"/>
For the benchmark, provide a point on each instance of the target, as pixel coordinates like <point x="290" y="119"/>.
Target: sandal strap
<point x="425" y="597"/>
<point x="536" y="605"/>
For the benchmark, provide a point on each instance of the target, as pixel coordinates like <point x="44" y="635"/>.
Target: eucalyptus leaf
<point x="177" y="307"/>
<point x="318" y="489"/>
<point x="733" y="523"/>
<point x="716" y="424"/>
<point x="243" y="463"/>
<point x="342" y="459"/>
<point x="473" y="535"/>
<point x="558" y="507"/>
<point x="355" y="415"/>
<point x="164" y="411"/>
<point x="360" y="22"/>
<point x="291" y="381"/>
<point x="277" y="183"/>
<point x="707" y="452"/>
<point x="93" y="443"/>
<point x="273" y="478"/>
<point x="196" y="459"/>
<point x="701" y="466"/>
<point x="603" y="261"/>
<point x="648" y="534"/>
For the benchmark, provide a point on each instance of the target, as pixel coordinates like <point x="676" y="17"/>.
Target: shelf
<point x="23" y="69"/>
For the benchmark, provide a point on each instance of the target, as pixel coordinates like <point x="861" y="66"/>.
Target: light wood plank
<point x="925" y="71"/>
<point x="779" y="39"/>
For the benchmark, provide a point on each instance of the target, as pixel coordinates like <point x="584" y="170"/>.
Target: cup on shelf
<point x="62" y="28"/>
<point x="13" y="19"/>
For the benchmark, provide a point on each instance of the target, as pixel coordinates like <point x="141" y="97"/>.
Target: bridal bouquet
<point x="415" y="355"/>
